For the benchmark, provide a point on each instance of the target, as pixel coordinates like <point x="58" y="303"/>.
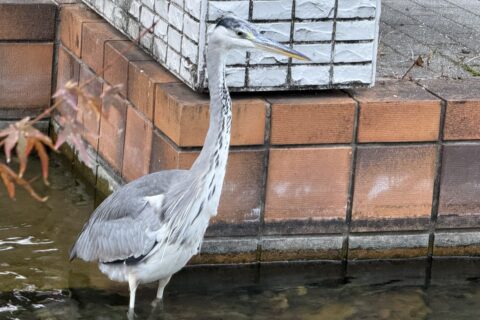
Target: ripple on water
<point x="38" y="282"/>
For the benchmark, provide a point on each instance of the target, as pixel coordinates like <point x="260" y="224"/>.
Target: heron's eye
<point x="240" y="33"/>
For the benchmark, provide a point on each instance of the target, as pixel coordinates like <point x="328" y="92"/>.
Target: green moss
<point x="470" y="70"/>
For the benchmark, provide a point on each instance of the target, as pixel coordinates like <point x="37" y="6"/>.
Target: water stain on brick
<point x="393" y="182"/>
<point x="400" y="253"/>
<point x="298" y="255"/>
<point x="460" y="187"/>
<point x="307" y="183"/>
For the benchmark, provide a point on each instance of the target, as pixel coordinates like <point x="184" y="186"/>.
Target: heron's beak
<point x="266" y="44"/>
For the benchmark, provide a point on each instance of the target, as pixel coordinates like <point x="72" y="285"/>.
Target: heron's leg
<point x="132" y="284"/>
<point x="162" y="283"/>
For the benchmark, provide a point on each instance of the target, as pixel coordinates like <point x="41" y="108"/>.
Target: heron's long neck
<point x="215" y="148"/>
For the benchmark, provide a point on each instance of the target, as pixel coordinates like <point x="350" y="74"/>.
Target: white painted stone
<point x="133" y="30"/>
<point x="175" y="17"/>
<point x="355" y="30"/>
<point x="315" y="9"/>
<point x="192" y="7"/>
<point x="272" y="9"/>
<point x="134" y="9"/>
<point x="235" y="77"/>
<point x="275" y="76"/>
<point x="179" y="3"/>
<point x="99" y="5"/>
<point x="313" y="31"/>
<point x="179" y="39"/>
<point x="191" y="28"/>
<point x="345" y="74"/>
<point x="161" y="8"/>
<point x="310" y="75"/>
<point x="237" y="56"/>
<point x="356" y="8"/>
<point x="120" y="19"/>
<point x="159" y="49"/>
<point x="353" y="52"/>
<point x="318" y="52"/>
<point x="190" y="50"/>
<point x="278" y="31"/>
<point x="146" y="40"/>
<point x="186" y="70"/>
<point x="262" y="57"/>
<point x="173" y="60"/>
<point x="149" y="4"/>
<point x="147" y="17"/>
<point x="175" y="39"/>
<point x="161" y="29"/>
<point x="108" y="9"/>
<point x="217" y="9"/>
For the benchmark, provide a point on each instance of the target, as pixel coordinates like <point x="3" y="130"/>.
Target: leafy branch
<point x="22" y="137"/>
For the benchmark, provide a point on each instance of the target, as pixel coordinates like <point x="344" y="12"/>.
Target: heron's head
<point x="233" y="33"/>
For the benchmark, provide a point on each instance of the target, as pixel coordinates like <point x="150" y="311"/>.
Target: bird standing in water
<point x="148" y="229"/>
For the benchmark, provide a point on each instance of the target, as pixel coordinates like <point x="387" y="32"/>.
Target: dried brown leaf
<point x="10" y="178"/>
<point x="42" y="153"/>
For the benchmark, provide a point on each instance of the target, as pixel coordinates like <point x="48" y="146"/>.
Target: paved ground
<point x="446" y="33"/>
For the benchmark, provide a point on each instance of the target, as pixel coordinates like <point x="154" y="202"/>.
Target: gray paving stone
<point x="448" y="28"/>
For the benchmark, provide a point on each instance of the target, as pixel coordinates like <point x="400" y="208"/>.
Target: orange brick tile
<point x="112" y="134"/>
<point x="393" y="188"/>
<point x="94" y="36"/>
<point x="463" y="107"/>
<point x="395" y="111"/>
<point x="167" y="156"/>
<point x="118" y="54"/>
<point x="138" y="145"/>
<point x="143" y="76"/>
<point x="27" y="20"/>
<point x="90" y="119"/>
<point x="72" y="18"/>
<point x="239" y="210"/>
<point x="307" y="189"/>
<point x="25" y="74"/>
<point x="308" y="119"/>
<point x="183" y="116"/>
<point x="459" y="205"/>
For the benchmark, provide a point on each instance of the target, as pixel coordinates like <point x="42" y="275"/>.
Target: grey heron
<point x="148" y="229"/>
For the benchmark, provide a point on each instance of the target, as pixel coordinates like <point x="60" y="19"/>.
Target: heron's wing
<point x="125" y="225"/>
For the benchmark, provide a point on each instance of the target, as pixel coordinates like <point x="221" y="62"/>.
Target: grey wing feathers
<point x="124" y="225"/>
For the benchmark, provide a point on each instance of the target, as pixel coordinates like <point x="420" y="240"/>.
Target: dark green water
<point x="38" y="282"/>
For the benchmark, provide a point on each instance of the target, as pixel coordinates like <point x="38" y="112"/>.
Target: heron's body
<point x="148" y="229"/>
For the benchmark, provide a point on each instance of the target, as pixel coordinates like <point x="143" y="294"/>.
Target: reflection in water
<point x="38" y="282"/>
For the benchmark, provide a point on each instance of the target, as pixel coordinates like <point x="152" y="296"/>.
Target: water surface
<point x="38" y="282"/>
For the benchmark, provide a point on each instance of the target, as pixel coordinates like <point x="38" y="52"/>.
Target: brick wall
<point x="387" y="172"/>
<point x="27" y="32"/>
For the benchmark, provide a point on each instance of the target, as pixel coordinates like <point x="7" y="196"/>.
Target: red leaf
<point x="8" y="184"/>
<point x="42" y="153"/>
